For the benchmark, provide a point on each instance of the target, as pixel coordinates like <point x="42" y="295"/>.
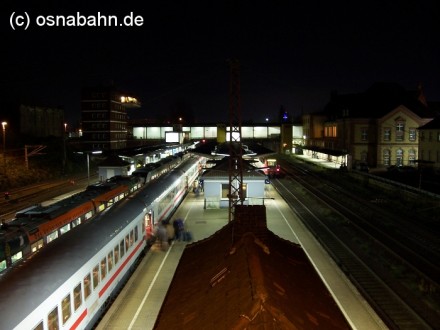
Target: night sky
<point x="292" y="53"/>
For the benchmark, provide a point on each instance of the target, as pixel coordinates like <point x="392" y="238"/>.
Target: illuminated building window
<point x="387" y="134"/>
<point x="400" y="130"/>
<point x="364" y="134"/>
<point x="412" y="134"/>
<point x="386" y="157"/>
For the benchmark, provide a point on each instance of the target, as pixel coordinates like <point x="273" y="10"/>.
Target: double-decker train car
<point x="69" y="284"/>
<point x="37" y="226"/>
<point x="152" y="171"/>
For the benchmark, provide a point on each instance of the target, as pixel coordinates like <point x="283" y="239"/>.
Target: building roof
<point x="113" y="161"/>
<point x="433" y="124"/>
<point x="327" y="151"/>
<point x="377" y="101"/>
<point x="246" y="277"/>
<point x="206" y="149"/>
<point x="221" y="171"/>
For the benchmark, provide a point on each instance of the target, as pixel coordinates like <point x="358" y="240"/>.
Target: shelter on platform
<point x="215" y="184"/>
<point x="113" y="165"/>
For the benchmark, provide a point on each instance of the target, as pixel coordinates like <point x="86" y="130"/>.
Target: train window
<point x="95" y="276"/>
<point x="66" y="308"/>
<point x="77" y="297"/>
<point x="87" y="289"/>
<point x="39" y="326"/>
<point x="2" y="265"/>
<point x="101" y="207"/>
<point x="116" y="252"/>
<point x="52" y="320"/>
<point x="110" y="261"/>
<point x="65" y="229"/>
<point x="131" y="238"/>
<point x="103" y="268"/>
<point x="17" y="256"/>
<point x="37" y="245"/>
<point x="121" y="196"/>
<point x="88" y="215"/>
<point x="136" y="235"/>
<point x="76" y="222"/>
<point x="121" y="248"/>
<point x="127" y="242"/>
<point x="52" y="236"/>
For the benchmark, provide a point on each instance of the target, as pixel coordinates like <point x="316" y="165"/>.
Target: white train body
<point x="69" y="284"/>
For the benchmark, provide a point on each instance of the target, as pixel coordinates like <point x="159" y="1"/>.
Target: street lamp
<point x="4" y="145"/>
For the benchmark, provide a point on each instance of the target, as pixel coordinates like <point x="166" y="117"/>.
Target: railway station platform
<point x="139" y="303"/>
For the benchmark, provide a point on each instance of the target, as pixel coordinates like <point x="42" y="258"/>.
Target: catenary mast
<point x="235" y="194"/>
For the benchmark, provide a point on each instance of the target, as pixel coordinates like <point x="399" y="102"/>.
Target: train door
<point x="149" y="225"/>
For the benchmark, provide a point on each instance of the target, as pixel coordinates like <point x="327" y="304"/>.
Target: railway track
<point x="353" y="243"/>
<point x="22" y="198"/>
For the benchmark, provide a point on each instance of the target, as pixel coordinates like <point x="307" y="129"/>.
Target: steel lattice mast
<point x="235" y="145"/>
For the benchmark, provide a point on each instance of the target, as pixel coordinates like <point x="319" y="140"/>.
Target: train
<point x="35" y="227"/>
<point x="270" y="167"/>
<point x="70" y="283"/>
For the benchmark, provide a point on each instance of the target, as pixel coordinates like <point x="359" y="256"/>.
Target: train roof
<point x="33" y="216"/>
<point x="32" y="281"/>
<point x="53" y="210"/>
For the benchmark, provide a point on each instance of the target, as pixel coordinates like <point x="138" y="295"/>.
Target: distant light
<point x="130" y="101"/>
<point x="267" y="119"/>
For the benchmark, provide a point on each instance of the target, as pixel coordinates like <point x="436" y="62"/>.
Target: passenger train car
<point x="39" y="225"/>
<point x="69" y="284"/>
<point x="271" y="167"/>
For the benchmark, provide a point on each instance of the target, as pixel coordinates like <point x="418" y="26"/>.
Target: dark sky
<point x="292" y="53"/>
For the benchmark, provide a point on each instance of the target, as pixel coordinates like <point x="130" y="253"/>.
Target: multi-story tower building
<point x="104" y="118"/>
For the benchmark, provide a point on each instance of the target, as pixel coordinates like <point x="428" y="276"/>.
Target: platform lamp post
<point x="64" y="147"/>
<point x="88" y="163"/>
<point x="4" y="146"/>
